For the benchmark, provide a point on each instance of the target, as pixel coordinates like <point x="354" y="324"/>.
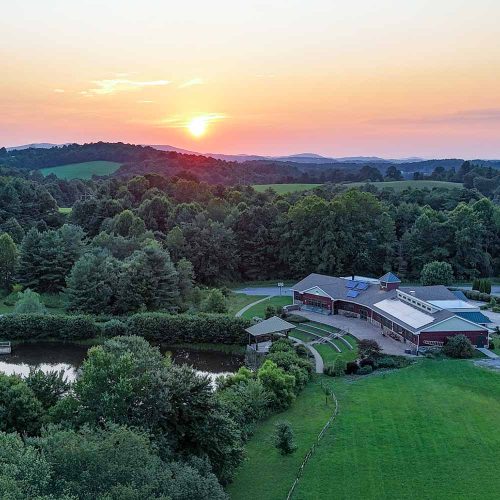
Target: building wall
<point x="478" y="339"/>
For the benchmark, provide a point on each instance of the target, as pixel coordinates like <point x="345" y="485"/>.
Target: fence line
<point x="312" y="449"/>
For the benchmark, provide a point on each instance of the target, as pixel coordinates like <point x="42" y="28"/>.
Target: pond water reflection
<point x="49" y="356"/>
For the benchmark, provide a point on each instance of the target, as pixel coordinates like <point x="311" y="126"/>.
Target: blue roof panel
<point x="362" y="286"/>
<point x="459" y="295"/>
<point x="390" y="278"/>
<point x="474" y="316"/>
<point x="351" y="284"/>
<point x="352" y="293"/>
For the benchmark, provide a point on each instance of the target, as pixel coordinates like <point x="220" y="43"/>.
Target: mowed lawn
<point x="428" y="431"/>
<point x="284" y="188"/>
<point x="260" y="309"/>
<point x="265" y="474"/>
<point x="237" y="301"/>
<point x="400" y="185"/>
<point x="82" y="170"/>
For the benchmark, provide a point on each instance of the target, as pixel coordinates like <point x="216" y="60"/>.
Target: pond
<point x="50" y="356"/>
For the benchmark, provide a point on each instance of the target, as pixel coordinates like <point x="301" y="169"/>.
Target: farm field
<point x="260" y="309"/>
<point x="400" y="185"/>
<point x="82" y="170"/>
<point x="284" y="188"/>
<point x="443" y="413"/>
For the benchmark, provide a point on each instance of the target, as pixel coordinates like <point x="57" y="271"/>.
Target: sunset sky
<point x="392" y="78"/>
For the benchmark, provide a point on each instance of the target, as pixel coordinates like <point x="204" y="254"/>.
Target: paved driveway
<point x="358" y="328"/>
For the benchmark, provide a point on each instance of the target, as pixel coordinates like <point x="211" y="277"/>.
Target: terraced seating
<point x="325" y="331"/>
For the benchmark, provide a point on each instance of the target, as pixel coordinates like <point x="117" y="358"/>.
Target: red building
<point x="423" y="316"/>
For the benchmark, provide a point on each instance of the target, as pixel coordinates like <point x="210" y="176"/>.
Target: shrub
<point x="190" y="328"/>
<point x="29" y="302"/>
<point x="351" y="368"/>
<point x="336" y="369"/>
<point x="367" y="362"/>
<point x="386" y="362"/>
<point x="37" y="326"/>
<point x="458" y="346"/>
<point x="215" y="302"/>
<point x="295" y="318"/>
<point x="284" y="438"/>
<point x="368" y="348"/>
<point x="270" y="312"/>
<point x="365" y="370"/>
<point x="114" y="328"/>
<point x="492" y="345"/>
<point x="279" y="383"/>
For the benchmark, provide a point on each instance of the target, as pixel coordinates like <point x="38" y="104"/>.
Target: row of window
<point x="418" y="303"/>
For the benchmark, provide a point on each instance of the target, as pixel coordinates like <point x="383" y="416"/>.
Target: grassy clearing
<point x="400" y="185"/>
<point x="82" y="170"/>
<point x="237" y="301"/>
<point x="65" y="210"/>
<point x="284" y="188"/>
<point x="260" y="309"/>
<point x="265" y="474"/>
<point x="426" y="431"/>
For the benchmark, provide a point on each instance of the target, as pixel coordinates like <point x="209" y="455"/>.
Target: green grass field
<point x="400" y="185"/>
<point x="260" y="309"/>
<point x="265" y="474"/>
<point x="65" y="210"/>
<point x="237" y="301"/>
<point x="82" y="170"/>
<point x="284" y="188"/>
<point x="426" y="431"/>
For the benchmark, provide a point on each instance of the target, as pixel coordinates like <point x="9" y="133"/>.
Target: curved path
<point x="246" y="308"/>
<point x="317" y="356"/>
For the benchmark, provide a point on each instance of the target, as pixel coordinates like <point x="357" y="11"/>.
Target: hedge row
<point x="159" y="327"/>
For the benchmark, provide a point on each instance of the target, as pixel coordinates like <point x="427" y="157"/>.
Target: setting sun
<point x="197" y="126"/>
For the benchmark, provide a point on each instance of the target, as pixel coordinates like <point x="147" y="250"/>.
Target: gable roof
<point x="430" y="292"/>
<point x="268" y="326"/>
<point x="389" y="278"/>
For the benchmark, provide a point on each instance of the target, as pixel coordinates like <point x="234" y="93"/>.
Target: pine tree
<point x="186" y="276"/>
<point x="8" y="260"/>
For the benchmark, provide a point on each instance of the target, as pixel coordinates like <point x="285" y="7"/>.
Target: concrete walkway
<point x="317" y="356"/>
<point x="358" y="328"/>
<point x="488" y="353"/>
<point x="246" y="308"/>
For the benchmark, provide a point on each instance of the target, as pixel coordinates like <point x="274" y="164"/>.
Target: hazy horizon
<point x="389" y="79"/>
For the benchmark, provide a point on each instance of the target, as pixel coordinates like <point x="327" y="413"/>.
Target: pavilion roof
<point x="268" y="326"/>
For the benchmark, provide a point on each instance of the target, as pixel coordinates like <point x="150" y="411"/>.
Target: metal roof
<point x="474" y="316"/>
<point x="268" y="326"/>
<point x="398" y="309"/>
<point x="459" y="295"/>
<point x="390" y="278"/>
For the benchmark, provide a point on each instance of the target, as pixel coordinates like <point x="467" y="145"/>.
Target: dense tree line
<point x="140" y="244"/>
<point x="133" y="425"/>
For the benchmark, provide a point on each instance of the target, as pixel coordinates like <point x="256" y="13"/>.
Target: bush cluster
<point x="159" y="327"/>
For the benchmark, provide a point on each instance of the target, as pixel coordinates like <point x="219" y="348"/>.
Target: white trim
<point x="476" y="325"/>
<point x="319" y="288"/>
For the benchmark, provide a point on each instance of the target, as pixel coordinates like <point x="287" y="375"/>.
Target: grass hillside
<point x="422" y="432"/>
<point x="428" y="431"/>
<point x="400" y="185"/>
<point x="82" y="170"/>
<point x="284" y="188"/>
